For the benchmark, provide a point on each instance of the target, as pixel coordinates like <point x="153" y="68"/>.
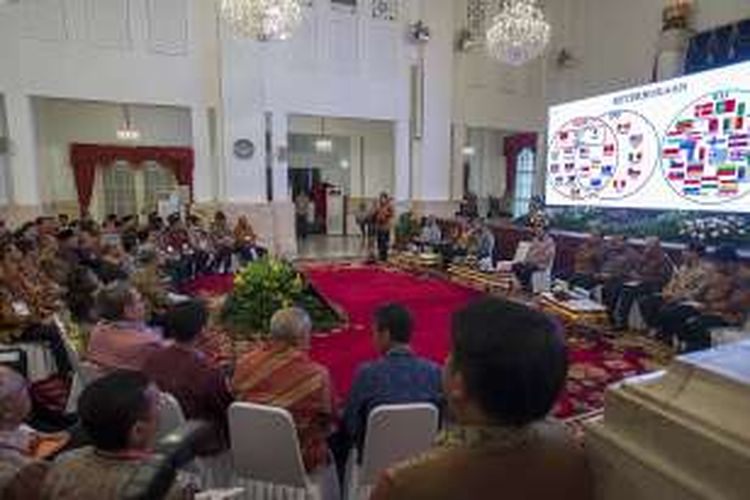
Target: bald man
<point x="282" y="374"/>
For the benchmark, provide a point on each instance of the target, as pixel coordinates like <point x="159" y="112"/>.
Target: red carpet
<point x="360" y="290"/>
<point x="596" y="360"/>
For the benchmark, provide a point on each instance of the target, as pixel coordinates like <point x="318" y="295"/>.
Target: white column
<point x="203" y="175"/>
<point x="460" y="135"/>
<point x="24" y="176"/>
<point x="244" y="179"/>
<point x="280" y="141"/>
<point x="402" y="160"/>
<point x="434" y="168"/>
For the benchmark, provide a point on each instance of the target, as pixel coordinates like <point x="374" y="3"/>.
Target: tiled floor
<point x="331" y="248"/>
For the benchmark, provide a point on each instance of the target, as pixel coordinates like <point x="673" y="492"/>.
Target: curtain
<point x="512" y="147"/>
<point x="85" y="158"/>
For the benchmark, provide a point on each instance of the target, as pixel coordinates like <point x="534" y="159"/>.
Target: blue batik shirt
<point x="399" y="377"/>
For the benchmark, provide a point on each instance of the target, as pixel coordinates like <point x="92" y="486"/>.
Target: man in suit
<point x="507" y="367"/>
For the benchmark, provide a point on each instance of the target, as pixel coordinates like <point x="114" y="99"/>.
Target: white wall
<point x="4" y="188"/>
<point x="159" y="52"/>
<point x="339" y="64"/>
<point x="489" y="94"/>
<point x="63" y="122"/>
<point x="372" y="168"/>
<point x="615" y="42"/>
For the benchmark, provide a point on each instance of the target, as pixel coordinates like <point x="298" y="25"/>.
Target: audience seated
<point x="121" y="339"/>
<point x="724" y="302"/>
<point x="223" y="243"/>
<point x="398" y="377"/>
<point x="664" y="311"/>
<point x="620" y="265"/>
<point x="588" y="262"/>
<point x="246" y="241"/>
<point x="181" y="370"/>
<point x="507" y="367"/>
<point x="28" y="302"/>
<point x="16" y="440"/>
<point x="22" y="449"/>
<point x="175" y="245"/>
<point x="119" y="414"/>
<point x="484" y="245"/>
<point x="281" y="374"/>
<point x="149" y="281"/>
<point x="540" y="257"/>
<point x="653" y="271"/>
<point x="431" y="236"/>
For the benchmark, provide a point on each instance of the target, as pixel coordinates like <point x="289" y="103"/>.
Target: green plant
<point x="262" y="288"/>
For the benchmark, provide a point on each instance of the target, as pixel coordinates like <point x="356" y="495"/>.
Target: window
<point x="129" y="191"/>
<point x="119" y="190"/>
<point x="524" y="182"/>
<point x="157" y="183"/>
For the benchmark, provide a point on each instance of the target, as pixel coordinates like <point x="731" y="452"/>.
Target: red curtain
<point x="85" y="158"/>
<point x="512" y="147"/>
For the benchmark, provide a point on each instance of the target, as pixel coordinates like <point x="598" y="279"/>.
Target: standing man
<point x="383" y="221"/>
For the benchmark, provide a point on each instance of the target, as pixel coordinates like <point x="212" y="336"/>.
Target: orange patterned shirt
<point x="282" y="376"/>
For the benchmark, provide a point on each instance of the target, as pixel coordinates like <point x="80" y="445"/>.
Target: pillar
<point x="203" y="175"/>
<point x="280" y="163"/>
<point x="24" y="175"/>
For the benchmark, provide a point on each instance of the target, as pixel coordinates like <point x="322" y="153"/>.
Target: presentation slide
<point x="682" y="144"/>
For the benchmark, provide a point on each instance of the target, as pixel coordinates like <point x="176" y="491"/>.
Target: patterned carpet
<point x="597" y="359"/>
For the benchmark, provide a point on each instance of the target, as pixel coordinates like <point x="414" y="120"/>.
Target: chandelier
<point x="262" y="20"/>
<point x="127" y="132"/>
<point x="519" y="32"/>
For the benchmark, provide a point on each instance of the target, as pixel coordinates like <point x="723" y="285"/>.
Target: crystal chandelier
<point x="262" y="20"/>
<point x="519" y="32"/>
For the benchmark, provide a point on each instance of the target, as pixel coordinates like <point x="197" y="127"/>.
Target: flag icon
<point x="727" y="106"/>
<point x="727" y="171"/>
<point x="704" y="110"/>
<point x="676" y="176"/>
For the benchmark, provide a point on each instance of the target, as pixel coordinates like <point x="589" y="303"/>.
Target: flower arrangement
<point x="676" y="226"/>
<point x="262" y="288"/>
<point x="715" y="229"/>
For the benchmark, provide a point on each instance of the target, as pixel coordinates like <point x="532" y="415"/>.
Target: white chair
<point x="394" y="433"/>
<point x="170" y="415"/>
<point x="267" y="459"/>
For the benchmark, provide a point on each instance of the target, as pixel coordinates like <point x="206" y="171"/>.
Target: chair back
<point x="265" y="446"/>
<point x="396" y="433"/>
<point x="15" y="359"/>
<point x="522" y="250"/>
<point x="170" y="415"/>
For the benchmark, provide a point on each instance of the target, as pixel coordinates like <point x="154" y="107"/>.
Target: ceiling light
<point x="519" y="32"/>
<point x="127" y="132"/>
<point x="262" y="20"/>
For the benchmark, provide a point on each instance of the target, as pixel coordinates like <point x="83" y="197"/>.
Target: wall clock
<point x="244" y="149"/>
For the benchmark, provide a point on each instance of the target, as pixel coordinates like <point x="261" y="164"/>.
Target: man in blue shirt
<point x="398" y="377"/>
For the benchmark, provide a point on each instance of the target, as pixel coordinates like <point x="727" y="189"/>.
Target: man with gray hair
<point x="292" y="326"/>
<point x="282" y="374"/>
<point x="121" y="340"/>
